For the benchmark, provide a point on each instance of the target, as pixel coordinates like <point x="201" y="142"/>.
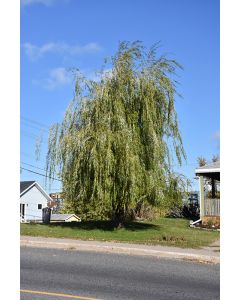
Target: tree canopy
<point x="119" y="136"/>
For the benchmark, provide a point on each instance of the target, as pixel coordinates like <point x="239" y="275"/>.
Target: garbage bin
<point x="46" y="215"/>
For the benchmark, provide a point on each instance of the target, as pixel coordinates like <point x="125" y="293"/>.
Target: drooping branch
<point x="112" y="147"/>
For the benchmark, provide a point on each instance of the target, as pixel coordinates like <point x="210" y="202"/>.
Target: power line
<point x="40" y="174"/>
<point x="24" y="123"/>
<point x="34" y="122"/>
<point x="32" y="166"/>
<point x="33" y="136"/>
<point x="39" y="169"/>
<point x="44" y="141"/>
<point x="30" y="134"/>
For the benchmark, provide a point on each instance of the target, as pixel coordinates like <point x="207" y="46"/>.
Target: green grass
<point x="164" y="231"/>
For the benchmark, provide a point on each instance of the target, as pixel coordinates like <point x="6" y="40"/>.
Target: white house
<point x="33" y="199"/>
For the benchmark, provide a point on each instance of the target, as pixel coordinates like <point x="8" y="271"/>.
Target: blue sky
<point x="60" y="34"/>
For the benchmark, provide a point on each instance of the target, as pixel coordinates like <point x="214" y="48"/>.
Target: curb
<point x="123" y="250"/>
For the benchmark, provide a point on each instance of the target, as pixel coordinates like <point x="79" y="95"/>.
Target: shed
<point x="65" y="218"/>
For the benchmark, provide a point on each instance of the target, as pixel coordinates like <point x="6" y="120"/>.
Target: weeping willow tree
<point x="119" y="136"/>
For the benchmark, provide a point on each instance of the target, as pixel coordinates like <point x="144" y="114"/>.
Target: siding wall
<point x="31" y="199"/>
<point x="211" y="207"/>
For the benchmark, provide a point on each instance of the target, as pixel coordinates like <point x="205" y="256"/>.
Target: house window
<point x="39" y="206"/>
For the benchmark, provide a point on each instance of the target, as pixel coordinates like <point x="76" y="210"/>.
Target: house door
<point x="22" y="212"/>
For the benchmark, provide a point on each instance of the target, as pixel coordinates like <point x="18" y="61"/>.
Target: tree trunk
<point x="119" y="217"/>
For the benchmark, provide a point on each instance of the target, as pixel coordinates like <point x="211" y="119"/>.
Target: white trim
<point x="28" y="188"/>
<point x="200" y="197"/>
<point x="73" y="215"/>
<point x="39" y="188"/>
<point x="195" y="222"/>
<point x="43" y="191"/>
<point x="213" y="170"/>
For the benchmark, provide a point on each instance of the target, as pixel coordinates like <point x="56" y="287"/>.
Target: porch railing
<point x="211" y="207"/>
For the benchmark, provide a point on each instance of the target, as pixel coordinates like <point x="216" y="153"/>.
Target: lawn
<point x="164" y="231"/>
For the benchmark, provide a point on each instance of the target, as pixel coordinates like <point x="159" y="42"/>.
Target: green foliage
<point x="210" y="223"/>
<point x="112" y="149"/>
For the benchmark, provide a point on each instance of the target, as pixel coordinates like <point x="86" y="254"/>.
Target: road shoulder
<point x="205" y="255"/>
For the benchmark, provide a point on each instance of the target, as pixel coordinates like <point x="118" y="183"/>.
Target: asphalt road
<point x="111" y="276"/>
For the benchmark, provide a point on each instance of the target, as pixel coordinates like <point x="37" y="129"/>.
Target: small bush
<point x="210" y="223"/>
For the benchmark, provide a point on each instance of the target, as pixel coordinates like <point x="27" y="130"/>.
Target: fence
<point x="211" y="207"/>
<point x="29" y="218"/>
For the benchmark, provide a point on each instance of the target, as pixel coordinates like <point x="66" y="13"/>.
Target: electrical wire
<point x="40" y="174"/>
<point x="34" y="122"/>
<point x="32" y="166"/>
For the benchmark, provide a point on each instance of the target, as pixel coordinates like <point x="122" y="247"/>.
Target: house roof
<point x="209" y="169"/>
<point x="62" y="217"/>
<point x="25" y="185"/>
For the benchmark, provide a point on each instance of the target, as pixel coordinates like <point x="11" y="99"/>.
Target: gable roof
<point x="62" y="217"/>
<point x="27" y="185"/>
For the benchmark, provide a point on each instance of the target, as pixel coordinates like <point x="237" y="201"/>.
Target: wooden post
<point x="201" y="189"/>
<point x="213" y="188"/>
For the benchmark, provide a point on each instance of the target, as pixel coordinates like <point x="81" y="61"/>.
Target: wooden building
<point x="209" y="186"/>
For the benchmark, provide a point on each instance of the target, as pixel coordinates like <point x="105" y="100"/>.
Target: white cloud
<point x="57" y="78"/>
<point x="44" y="2"/>
<point x="35" y="52"/>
